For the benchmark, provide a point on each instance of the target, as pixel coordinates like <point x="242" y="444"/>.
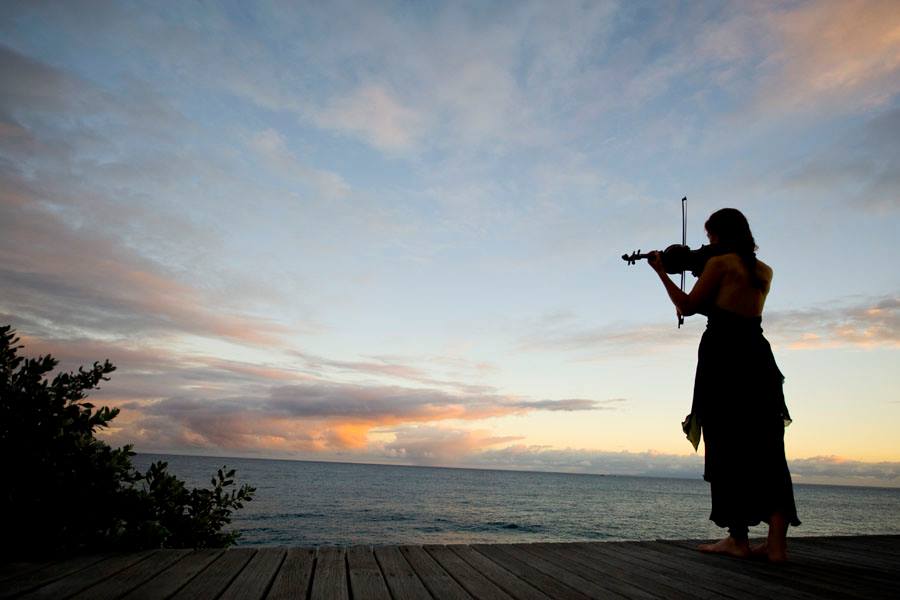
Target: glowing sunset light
<point x="391" y="233"/>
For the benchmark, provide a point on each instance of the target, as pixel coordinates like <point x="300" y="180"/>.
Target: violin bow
<point x="683" y="243"/>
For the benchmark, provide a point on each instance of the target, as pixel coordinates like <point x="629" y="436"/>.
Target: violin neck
<point x="634" y="257"/>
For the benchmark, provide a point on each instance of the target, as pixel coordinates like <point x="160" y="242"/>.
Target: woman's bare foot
<point x="729" y="546"/>
<point x="760" y="550"/>
<point x="776" y="542"/>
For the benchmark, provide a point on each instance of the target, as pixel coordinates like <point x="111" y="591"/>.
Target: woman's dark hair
<point x="731" y="228"/>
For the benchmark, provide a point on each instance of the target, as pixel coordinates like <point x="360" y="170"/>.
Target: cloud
<point x="183" y="401"/>
<point x="186" y="403"/>
<point x="863" y="166"/>
<point x="839" y="470"/>
<point x="566" y="333"/>
<point x="835" y="53"/>
<point x="33" y="86"/>
<point x="397" y="369"/>
<point x="376" y="115"/>
<point x="175" y="401"/>
<point x="869" y="323"/>
<point x="40" y="93"/>
<point x="148" y="371"/>
<point x="866" y="323"/>
<point x="388" y="404"/>
<point x="572" y="404"/>
<point x="321" y="415"/>
<point x="83" y="247"/>
<point x="569" y="460"/>
<point x="54" y="273"/>
<point x="272" y="147"/>
<point x="438" y="446"/>
<point x="819" y="469"/>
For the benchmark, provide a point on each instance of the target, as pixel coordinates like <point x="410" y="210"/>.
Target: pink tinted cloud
<point x="423" y="444"/>
<point x="866" y="323"/>
<point x="75" y="276"/>
<point x="147" y="373"/>
<point x="173" y="402"/>
<point x="377" y="115"/>
<point x="873" y="323"/>
<point x="78" y="236"/>
<point x="399" y="369"/>
<point x="843" y="53"/>
<point x="316" y="416"/>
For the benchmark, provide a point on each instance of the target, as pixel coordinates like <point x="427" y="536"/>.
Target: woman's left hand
<point x="655" y="261"/>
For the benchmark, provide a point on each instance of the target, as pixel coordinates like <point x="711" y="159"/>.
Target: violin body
<point x="679" y="258"/>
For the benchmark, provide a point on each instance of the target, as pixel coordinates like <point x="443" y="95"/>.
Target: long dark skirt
<point x="739" y="401"/>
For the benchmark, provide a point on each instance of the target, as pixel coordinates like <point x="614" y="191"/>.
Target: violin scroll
<point x="634" y="257"/>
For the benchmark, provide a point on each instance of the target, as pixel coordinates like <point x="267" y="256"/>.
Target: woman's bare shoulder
<point x="732" y="262"/>
<point x="764" y="272"/>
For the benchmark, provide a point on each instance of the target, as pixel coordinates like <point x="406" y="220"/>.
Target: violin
<point x="679" y="258"/>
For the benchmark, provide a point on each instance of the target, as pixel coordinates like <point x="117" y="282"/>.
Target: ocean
<point x="302" y="503"/>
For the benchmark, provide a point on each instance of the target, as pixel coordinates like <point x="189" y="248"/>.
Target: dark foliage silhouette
<point x="66" y="491"/>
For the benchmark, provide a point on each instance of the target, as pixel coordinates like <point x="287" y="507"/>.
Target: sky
<point x="390" y="232"/>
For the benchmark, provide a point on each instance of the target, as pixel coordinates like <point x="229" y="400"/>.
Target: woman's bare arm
<point x="703" y="291"/>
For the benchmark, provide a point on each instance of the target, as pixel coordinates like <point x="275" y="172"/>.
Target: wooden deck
<point x="833" y="567"/>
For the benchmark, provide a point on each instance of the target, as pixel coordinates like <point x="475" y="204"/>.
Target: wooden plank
<point x="873" y="555"/>
<point x="128" y="579"/>
<point x="841" y="555"/>
<point x="401" y="580"/>
<point x="30" y="579"/>
<point x="839" y="572"/>
<point x="330" y="577"/>
<point x="545" y="583"/>
<point x="701" y="586"/>
<point x="366" y="580"/>
<point x="552" y="567"/>
<point x="470" y="579"/>
<point x="436" y="579"/>
<point x="801" y="573"/>
<point x="775" y="580"/>
<point x="254" y="580"/>
<point x="568" y="561"/>
<point x="295" y="575"/>
<point x="708" y="572"/>
<point x="21" y="568"/>
<point x="85" y="578"/>
<point x="844" y="578"/>
<point x="887" y="542"/>
<point x="644" y="576"/>
<point x="175" y="577"/>
<point x="515" y="587"/>
<point x="859" y="567"/>
<point x="851" y="545"/>
<point x="850" y="552"/>
<point x="212" y="581"/>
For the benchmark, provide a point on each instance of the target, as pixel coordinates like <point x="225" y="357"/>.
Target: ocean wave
<point x="280" y="516"/>
<point x="505" y="525"/>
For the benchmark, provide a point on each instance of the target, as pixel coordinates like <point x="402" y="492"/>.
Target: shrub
<point x="65" y="491"/>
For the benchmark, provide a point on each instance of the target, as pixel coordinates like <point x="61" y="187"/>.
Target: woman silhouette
<point x="738" y="400"/>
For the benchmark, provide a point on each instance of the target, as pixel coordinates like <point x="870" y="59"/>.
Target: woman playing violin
<point x="738" y="400"/>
